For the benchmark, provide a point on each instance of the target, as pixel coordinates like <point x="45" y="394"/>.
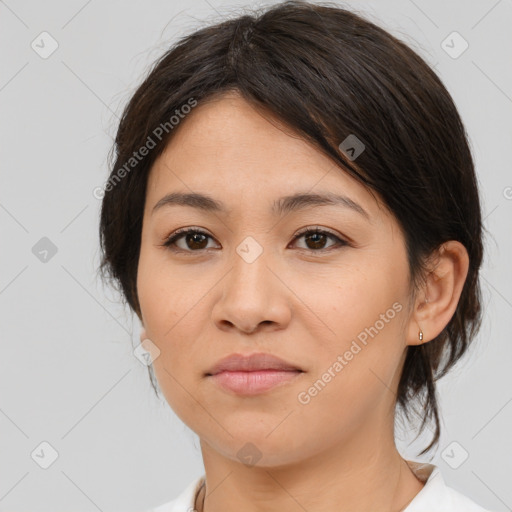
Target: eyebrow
<point x="281" y="206"/>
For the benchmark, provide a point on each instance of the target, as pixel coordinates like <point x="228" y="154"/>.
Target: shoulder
<point x="457" y="501"/>
<point x="184" y="502"/>
<point x="437" y="495"/>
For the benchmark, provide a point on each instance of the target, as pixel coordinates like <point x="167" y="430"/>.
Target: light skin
<point x="303" y="300"/>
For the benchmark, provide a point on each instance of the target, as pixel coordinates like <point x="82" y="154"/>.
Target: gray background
<point x="67" y="372"/>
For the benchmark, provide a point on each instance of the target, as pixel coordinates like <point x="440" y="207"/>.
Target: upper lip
<point x="253" y="362"/>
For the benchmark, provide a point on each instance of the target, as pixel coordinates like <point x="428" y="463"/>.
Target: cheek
<point x="348" y="299"/>
<point x="168" y="313"/>
<point x="361" y="320"/>
<point x="163" y="296"/>
<point x="174" y="311"/>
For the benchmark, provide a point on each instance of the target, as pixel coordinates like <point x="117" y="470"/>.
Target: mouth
<point x="254" y="374"/>
<point x="252" y="363"/>
<point x="254" y="382"/>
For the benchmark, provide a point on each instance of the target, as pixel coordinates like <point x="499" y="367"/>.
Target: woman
<point x="293" y="214"/>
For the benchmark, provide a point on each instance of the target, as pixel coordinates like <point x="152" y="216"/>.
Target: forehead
<point x="229" y="146"/>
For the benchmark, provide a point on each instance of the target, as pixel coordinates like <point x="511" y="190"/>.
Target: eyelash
<point x="180" y="233"/>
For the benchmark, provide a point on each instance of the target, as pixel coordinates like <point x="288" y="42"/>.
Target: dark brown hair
<point x="326" y="73"/>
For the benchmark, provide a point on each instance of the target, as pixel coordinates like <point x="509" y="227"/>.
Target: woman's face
<point x="332" y="304"/>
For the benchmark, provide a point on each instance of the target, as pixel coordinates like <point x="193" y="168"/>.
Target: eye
<point x="196" y="240"/>
<point x="315" y="239"/>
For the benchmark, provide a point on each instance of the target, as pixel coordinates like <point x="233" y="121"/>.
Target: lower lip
<point x="253" y="383"/>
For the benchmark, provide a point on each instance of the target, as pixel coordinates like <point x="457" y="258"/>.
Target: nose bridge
<point x="249" y="269"/>
<point x="250" y="294"/>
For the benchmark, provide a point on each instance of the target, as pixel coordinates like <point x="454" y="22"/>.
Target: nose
<point x="253" y="298"/>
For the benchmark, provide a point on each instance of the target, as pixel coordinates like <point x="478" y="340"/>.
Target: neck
<point x="340" y="479"/>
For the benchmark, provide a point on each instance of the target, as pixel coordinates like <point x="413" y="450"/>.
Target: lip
<point x="253" y="374"/>
<point x="251" y="363"/>
<point x="254" y="383"/>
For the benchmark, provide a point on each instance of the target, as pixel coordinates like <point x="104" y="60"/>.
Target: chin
<point x="259" y="449"/>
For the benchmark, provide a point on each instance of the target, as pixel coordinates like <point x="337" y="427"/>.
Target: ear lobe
<point x="143" y="335"/>
<point x="438" y="299"/>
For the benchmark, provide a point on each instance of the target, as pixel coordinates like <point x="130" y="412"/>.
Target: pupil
<point x="195" y="237"/>
<point x="318" y="244"/>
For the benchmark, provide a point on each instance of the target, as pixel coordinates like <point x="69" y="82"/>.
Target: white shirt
<point x="435" y="496"/>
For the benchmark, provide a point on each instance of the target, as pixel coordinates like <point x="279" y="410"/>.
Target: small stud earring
<point x="420" y="335"/>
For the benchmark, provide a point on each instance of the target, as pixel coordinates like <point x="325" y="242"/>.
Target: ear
<point x="143" y="335"/>
<point x="438" y="298"/>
